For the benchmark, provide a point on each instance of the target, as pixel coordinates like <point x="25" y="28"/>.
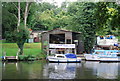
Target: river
<point x="45" y="70"/>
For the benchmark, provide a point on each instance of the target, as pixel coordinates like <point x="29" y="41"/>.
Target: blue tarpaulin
<point x="2" y="57"/>
<point x="70" y="55"/>
<point x="116" y="45"/>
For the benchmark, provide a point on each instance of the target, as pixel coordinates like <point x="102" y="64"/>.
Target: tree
<point x="50" y="20"/>
<point x="108" y="20"/>
<point x="93" y="19"/>
<point x="83" y="21"/>
<point x="16" y="14"/>
<point x="20" y="37"/>
<point x="88" y="26"/>
<point x="9" y="21"/>
<point x="22" y="32"/>
<point x="36" y="10"/>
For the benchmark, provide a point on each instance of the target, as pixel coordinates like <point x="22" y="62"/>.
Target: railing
<point x="107" y="41"/>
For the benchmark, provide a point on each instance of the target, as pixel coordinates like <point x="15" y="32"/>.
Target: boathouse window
<point x="68" y="41"/>
<point x="57" y="38"/>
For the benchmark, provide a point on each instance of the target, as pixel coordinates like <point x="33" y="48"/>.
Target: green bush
<point x="26" y="57"/>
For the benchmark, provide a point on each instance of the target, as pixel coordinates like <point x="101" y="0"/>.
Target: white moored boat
<point x="63" y="58"/>
<point x="104" y="55"/>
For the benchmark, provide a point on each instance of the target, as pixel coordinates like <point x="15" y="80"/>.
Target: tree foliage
<point x="92" y="19"/>
<point x="84" y="22"/>
<point x="9" y="21"/>
<point x="107" y="18"/>
<point x="20" y="37"/>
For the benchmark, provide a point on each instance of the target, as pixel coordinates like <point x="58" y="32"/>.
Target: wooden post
<point x="65" y="43"/>
<point x="4" y="55"/>
<point x="75" y="50"/>
<point x="71" y="42"/>
<point x="17" y="55"/>
<point x="48" y="44"/>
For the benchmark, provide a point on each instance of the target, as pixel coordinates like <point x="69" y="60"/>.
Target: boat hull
<point x="117" y="59"/>
<point x="56" y="60"/>
<point x="90" y="57"/>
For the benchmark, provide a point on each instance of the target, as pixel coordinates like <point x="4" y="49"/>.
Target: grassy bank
<point x="29" y="49"/>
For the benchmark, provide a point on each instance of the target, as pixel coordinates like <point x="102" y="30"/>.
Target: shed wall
<point x="68" y="35"/>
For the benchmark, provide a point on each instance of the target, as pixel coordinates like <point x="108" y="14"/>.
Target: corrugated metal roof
<point x="62" y="30"/>
<point x="38" y="31"/>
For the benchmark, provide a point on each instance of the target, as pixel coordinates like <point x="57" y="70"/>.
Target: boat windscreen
<point x="70" y="55"/>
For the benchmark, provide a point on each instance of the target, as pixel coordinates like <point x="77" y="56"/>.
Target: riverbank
<point x="30" y="49"/>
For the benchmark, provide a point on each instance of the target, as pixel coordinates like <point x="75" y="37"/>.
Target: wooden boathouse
<point x="59" y="41"/>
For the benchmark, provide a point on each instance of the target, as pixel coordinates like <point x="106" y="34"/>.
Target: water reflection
<point x="0" y="71"/>
<point x="108" y="70"/>
<point x="103" y="70"/>
<point x="12" y="63"/>
<point x="61" y="70"/>
<point x="22" y="70"/>
<point x="43" y="70"/>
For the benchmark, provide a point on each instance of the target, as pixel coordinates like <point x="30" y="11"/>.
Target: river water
<point x="45" y="70"/>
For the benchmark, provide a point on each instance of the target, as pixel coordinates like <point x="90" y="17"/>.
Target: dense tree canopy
<point x="92" y="19"/>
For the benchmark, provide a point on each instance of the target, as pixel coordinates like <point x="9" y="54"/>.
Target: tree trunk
<point x="18" y="24"/>
<point x="26" y="14"/>
<point x="20" y="51"/>
<point x="20" y="46"/>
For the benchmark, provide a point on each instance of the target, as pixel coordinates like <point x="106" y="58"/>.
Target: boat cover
<point x="2" y="57"/>
<point x="70" y="55"/>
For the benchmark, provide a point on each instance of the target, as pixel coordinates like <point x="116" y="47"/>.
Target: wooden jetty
<point x="10" y="57"/>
